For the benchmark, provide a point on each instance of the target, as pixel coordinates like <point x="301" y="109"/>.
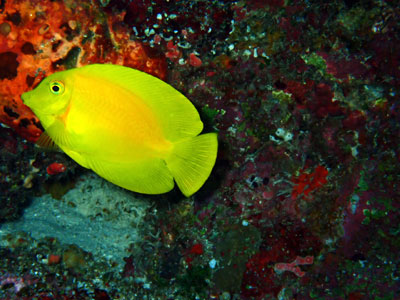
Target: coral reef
<point x="40" y="37"/>
<point x="303" y="201"/>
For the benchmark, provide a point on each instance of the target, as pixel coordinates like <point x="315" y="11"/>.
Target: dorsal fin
<point x="178" y="117"/>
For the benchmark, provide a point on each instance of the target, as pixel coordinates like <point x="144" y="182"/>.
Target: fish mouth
<point x="29" y="101"/>
<point x="25" y="98"/>
<point x="32" y="102"/>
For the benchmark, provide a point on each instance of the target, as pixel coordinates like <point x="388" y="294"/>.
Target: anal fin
<point x="149" y="176"/>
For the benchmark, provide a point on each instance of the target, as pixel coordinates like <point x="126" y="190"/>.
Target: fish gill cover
<point x="303" y="201"/>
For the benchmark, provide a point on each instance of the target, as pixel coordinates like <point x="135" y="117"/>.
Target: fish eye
<point x="57" y="87"/>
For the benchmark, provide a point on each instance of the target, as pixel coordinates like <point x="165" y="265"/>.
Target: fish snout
<point x="26" y="97"/>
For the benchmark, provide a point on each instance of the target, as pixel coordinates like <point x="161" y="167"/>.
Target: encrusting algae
<point x="129" y="127"/>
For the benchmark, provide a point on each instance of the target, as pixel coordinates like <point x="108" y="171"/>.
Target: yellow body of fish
<point x="129" y="127"/>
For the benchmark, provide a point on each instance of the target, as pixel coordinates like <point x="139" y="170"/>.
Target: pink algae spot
<point x="53" y="259"/>
<point x="294" y="266"/>
<point x="210" y="73"/>
<point x="55" y="168"/>
<point x="173" y="51"/>
<point x="194" y="60"/>
<point x="268" y="195"/>
<point x="157" y="39"/>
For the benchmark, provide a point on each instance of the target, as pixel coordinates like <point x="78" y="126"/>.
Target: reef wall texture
<point x="304" y="200"/>
<point x="41" y="37"/>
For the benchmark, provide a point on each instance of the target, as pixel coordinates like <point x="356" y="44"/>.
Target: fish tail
<point x="192" y="160"/>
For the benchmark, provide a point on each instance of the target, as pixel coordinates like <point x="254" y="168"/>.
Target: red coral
<point x="54" y="259"/>
<point x="190" y="254"/>
<point x="55" y="168"/>
<point x="194" y="60"/>
<point x="173" y="52"/>
<point x="53" y="27"/>
<point x="306" y="183"/>
<point x="197" y="249"/>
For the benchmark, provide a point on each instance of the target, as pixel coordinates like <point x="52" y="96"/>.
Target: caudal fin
<point x="192" y="161"/>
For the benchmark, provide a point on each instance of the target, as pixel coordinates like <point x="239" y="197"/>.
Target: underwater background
<point x="303" y="202"/>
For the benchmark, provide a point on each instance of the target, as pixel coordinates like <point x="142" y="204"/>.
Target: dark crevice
<point x="10" y="112"/>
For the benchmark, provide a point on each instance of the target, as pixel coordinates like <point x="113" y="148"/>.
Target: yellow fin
<point x="148" y="177"/>
<point x="45" y="141"/>
<point x="77" y="157"/>
<point x="178" y="117"/>
<point x="192" y="160"/>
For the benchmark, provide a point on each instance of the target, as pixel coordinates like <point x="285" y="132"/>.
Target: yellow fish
<point x="129" y="127"/>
